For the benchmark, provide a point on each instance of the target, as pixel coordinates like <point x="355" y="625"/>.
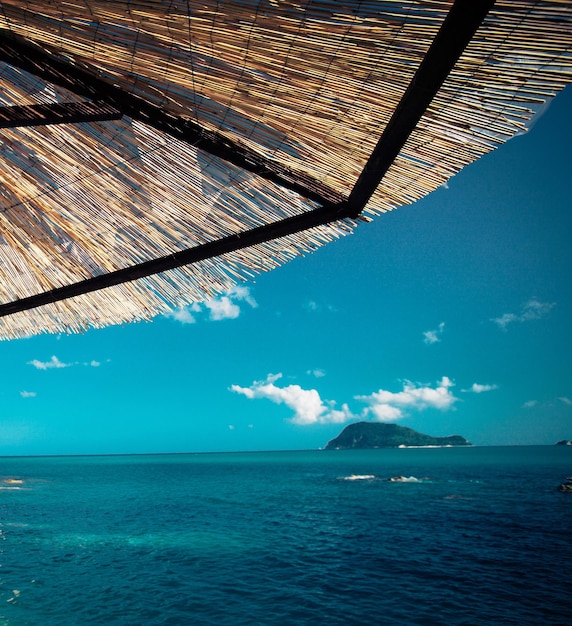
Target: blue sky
<point x="452" y="315"/>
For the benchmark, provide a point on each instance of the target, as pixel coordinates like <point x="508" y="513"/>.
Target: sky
<point x="451" y="316"/>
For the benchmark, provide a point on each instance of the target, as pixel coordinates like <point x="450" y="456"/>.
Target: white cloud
<point x="222" y="308"/>
<point x="384" y="406"/>
<point x="504" y="320"/>
<point x="535" y="310"/>
<point x="433" y="336"/>
<point x="549" y="403"/>
<point x="182" y="315"/>
<point x="385" y="412"/>
<point x="231" y="426"/>
<point x="478" y="388"/>
<point x="531" y="310"/>
<point x="338" y="416"/>
<point x="28" y="394"/>
<point x="317" y="373"/>
<point x="387" y="406"/>
<point x="316" y="307"/>
<point x="307" y="405"/>
<point x="242" y="293"/>
<point x="53" y="363"/>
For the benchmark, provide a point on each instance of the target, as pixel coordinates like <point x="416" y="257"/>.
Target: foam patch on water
<point x="358" y="477"/>
<point x="11" y="484"/>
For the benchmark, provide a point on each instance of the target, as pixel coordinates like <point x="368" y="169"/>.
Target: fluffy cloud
<point x="182" y="315"/>
<point x="566" y="400"/>
<point x="383" y="406"/>
<point x="28" y="394"/>
<point x="53" y="363"/>
<point x="222" y="308"/>
<point x="531" y="310"/>
<point x="477" y="388"/>
<point x="307" y="405"/>
<point x="388" y="406"/>
<point x="433" y="336"/>
<point x="529" y="404"/>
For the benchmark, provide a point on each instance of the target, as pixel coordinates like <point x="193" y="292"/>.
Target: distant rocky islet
<point x="367" y="435"/>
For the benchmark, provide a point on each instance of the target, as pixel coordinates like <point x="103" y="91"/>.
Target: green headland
<point x="363" y="435"/>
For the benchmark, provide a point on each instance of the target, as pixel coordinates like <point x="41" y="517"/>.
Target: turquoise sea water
<point x="285" y="538"/>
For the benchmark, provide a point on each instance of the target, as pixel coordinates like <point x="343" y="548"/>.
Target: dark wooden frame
<point x="457" y="30"/>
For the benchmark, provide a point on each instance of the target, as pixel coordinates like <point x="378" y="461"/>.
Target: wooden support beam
<point x="57" y="113"/>
<point x="455" y="33"/>
<point x="261" y="234"/>
<point x="78" y="79"/>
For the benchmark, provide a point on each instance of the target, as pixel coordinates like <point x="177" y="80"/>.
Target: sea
<point x="476" y="535"/>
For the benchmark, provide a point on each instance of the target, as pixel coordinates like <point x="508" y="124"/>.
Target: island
<point x="364" y="435"/>
<point x="564" y="442"/>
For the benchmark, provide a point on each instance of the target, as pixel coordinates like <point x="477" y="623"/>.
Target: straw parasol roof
<point x="153" y="153"/>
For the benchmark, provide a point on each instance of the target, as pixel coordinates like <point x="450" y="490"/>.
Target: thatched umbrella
<point x="153" y="155"/>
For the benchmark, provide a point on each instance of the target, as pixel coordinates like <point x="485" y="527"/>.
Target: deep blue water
<point x="281" y="538"/>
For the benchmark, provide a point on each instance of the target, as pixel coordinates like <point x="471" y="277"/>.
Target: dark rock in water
<point x="564" y="442"/>
<point x="363" y="435"/>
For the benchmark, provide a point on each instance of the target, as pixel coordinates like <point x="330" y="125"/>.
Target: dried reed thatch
<point x="139" y="129"/>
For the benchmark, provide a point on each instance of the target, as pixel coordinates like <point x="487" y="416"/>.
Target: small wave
<point x="358" y="477"/>
<point x="12" y="484"/>
<point x="404" y="479"/>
